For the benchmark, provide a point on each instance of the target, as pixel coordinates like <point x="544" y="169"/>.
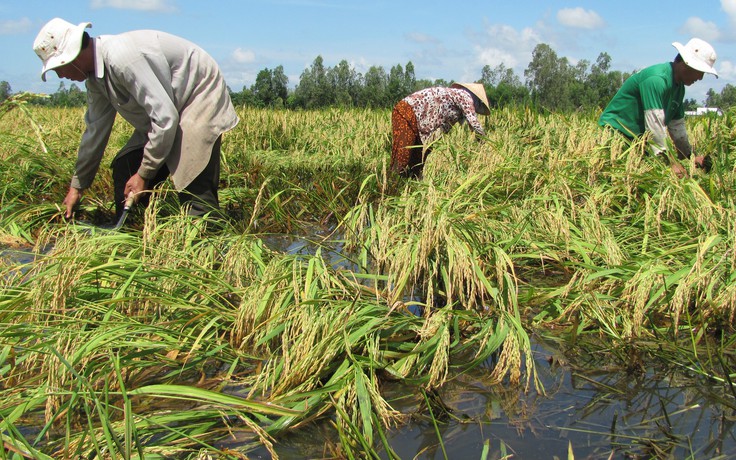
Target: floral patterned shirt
<point x="438" y="109"/>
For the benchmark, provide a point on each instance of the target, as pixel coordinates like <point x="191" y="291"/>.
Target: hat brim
<point x="71" y="50"/>
<point x="692" y="61"/>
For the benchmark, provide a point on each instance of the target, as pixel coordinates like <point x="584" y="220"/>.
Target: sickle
<point x="128" y="204"/>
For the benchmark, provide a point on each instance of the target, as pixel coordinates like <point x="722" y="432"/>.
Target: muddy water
<point x="597" y="410"/>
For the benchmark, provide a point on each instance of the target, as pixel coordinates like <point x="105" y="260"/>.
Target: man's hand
<point x="136" y="185"/>
<point x="703" y="162"/>
<point x="678" y="169"/>
<point x="71" y="201"/>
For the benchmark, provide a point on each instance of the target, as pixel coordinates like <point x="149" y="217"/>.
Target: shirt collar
<point x="99" y="64"/>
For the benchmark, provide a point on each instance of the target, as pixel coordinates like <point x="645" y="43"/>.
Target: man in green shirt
<point x="651" y="100"/>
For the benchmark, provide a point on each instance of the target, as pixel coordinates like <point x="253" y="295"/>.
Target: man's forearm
<point x="678" y="133"/>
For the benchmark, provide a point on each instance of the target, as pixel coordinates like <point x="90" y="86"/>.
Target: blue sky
<point x="445" y="40"/>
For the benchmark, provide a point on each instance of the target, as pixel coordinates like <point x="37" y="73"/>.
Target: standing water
<point x="591" y="409"/>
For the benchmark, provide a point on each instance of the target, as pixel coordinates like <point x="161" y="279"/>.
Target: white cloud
<point x="729" y="6"/>
<point x="142" y="5"/>
<point x="360" y="64"/>
<point x="15" y="26"/>
<point x="238" y="79"/>
<point x="579" y="18"/>
<point x="726" y="70"/>
<point x="696" y="27"/>
<point x="419" y="37"/>
<point x="494" y="56"/>
<point x="242" y="56"/>
<point x="508" y="46"/>
<point x="708" y="30"/>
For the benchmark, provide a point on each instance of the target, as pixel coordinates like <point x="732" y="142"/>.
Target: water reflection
<point x="16" y="256"/>
<point x="16" y="262"/>
<point x="602" y="411"/>
<point x="330" y="247"/>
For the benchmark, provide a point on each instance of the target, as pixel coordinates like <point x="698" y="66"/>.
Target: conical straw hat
<point x="480" y="92"/>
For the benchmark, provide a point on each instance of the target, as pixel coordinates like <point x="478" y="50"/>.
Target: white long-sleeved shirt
<point x="171" y="92"/>
<point x="654" y="120"/>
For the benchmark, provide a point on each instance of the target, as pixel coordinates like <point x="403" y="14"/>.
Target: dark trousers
<point x="199" y="197"/>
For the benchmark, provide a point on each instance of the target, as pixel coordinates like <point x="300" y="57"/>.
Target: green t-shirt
<point x="651" y="88"/>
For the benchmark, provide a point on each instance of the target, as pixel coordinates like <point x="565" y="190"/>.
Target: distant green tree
<point x="280" y="86"/>
<point x="72" y="97"/>
<point x="345" y="82"/>
<point x="723" y="100"/>
<point x="77" y="97"/>
<point x="410" y="79"/>
<point x="550" y="79"/>
<point x="690" y="104"/>
<point x="503" y="86"/>
<point x="582" y="94"/>
<point x="270" y="88"/>
<point x="712" y="99"/>
<point x="395" y="87"/>
<point x="5" y="91"/>
<point x="243" y="98"/>
<point x="551" y="83"/>
<point x="262" y="89"/>
<point x="401" y="82"/>
<point x="314" y="89"/>
<point x="374" y="88"/>
<point x="604" y="81"/>
<point x="422" y="84"/>
<point x="728" y="97"/>
<point x="493" y="76"/>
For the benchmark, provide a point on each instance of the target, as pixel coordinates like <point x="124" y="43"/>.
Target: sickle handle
<point x="129" y="201"/>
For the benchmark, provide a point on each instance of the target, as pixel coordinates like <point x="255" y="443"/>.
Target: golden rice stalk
<point x="436" y="324"/>
<point x="509" y="361"/>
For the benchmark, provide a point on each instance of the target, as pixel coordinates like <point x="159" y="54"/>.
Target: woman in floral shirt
<point x="422" y="117"/>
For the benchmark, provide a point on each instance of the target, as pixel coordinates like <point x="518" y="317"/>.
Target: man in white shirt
<point x="171" y="92"/>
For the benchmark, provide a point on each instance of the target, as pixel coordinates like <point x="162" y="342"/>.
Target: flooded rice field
<point x="591" y="406"/>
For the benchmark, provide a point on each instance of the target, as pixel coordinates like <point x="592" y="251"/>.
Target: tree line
<point x="550" y="83"/>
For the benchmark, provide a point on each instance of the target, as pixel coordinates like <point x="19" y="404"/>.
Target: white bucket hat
<point x="480" y="92"/>
<point x="698" y="54"/>
<point x="58" y="43"/>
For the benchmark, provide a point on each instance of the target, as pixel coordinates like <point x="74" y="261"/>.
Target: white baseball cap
<point x="698" y="54"/>
<point x="58" y="43"/>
